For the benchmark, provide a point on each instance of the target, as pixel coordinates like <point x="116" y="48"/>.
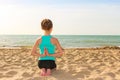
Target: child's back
<point x="47" y="44"/>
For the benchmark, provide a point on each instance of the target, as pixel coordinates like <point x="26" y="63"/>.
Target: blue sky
<point x="57" y="2"/>
<point x="77" y="17"/>
<point x="60" y="1"/>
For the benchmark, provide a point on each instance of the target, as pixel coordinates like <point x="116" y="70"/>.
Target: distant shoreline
<point x="66" y="41"/>
<point x="30" y="47"/>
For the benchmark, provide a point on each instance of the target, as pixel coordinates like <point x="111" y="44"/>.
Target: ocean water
<point x="66" y="41"/>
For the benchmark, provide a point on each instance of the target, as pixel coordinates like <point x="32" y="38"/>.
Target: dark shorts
<point x="47" y="64"/>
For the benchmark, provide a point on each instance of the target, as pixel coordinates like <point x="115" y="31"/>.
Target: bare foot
<point x="43" y="72"/>
<point x="48" y="72"/>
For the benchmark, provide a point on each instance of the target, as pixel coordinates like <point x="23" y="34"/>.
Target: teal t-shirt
<point x="46" y="43"/>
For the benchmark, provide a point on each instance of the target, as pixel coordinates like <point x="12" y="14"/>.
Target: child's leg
<point x="43" y="72"/>
<point x="48" y="72"/>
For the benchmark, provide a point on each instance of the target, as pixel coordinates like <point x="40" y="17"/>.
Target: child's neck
<point x="46" y="33"/>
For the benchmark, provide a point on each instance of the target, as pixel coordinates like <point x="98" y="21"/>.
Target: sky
<point x="70" y="17"/>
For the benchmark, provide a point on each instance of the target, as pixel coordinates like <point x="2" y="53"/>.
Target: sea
<point x="66" y="41"/>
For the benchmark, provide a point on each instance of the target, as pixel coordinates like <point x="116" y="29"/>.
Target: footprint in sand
<point x="82" y="74"/>
<point x="35" y="78"/>
<point x="20" y="79"/>
<point x="98" y="78"/>
<point x="2" y="69"/>
<point x="10" y="74"/>
<point x="25" y="74"/>
<point x="112" y="75"/>
<point x="1" y="75"/>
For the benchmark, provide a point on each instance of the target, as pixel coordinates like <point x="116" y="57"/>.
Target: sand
<point x="75" y="64"/>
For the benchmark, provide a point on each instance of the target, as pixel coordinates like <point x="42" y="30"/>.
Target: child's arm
<point x="59" y="48"/>
<point x="34" y="49"/>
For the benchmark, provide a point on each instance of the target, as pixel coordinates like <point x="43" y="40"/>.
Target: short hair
<point x="46" y="24"/>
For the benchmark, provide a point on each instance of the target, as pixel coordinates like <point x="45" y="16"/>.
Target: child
<point x="47" y="45"/>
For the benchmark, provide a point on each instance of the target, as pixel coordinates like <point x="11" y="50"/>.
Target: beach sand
<point x="75" y="64"/>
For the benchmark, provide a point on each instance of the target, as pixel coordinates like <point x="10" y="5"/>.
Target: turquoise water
<point x="67" y="41"/>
